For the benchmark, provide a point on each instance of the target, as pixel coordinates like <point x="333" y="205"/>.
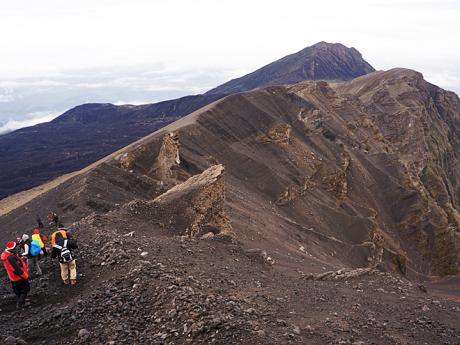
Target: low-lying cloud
<point x="30" y="120"/>
<point x="28" y="101"/>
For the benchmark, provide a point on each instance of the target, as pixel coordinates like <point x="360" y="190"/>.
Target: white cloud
<point x="31" y="120"/>
<point x="122" y="85"/>
<point x="135" y="102"/>
<point x="237" y="34"/>
<point x="29" y="83"/>
<point x="449" y="80"/>
<point x="7" y="95"/>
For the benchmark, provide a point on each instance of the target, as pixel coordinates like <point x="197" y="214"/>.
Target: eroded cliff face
<point x="420" y="121"/>
<point x="189" y="205"/>
<point x="158" y="159"/>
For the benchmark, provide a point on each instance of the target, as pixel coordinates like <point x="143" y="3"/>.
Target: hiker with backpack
<point x="32" y="251"/>
<point x="62" y="245"/>
<point x="17" y="271"/>
<point x="41" y="240"/>
<point x="53" y="218"/>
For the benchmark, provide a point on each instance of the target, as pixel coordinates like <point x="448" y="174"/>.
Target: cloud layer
<point x="24" y="101"/>
<point x="29" y="120"/>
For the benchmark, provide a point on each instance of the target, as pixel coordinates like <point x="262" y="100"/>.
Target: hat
<point x="25" y="237"/>
<point x="36" y="231"/>
<point x="10" y="245"/>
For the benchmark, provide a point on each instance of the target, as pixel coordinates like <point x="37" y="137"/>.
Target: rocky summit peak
<point x="328" y="46"/>
<point x="327" y="61"/>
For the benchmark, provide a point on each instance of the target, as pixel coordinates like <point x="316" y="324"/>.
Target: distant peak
<point x="332" y="47"/>
<point x="321" y="61"/>
<point x="327" y="44"/>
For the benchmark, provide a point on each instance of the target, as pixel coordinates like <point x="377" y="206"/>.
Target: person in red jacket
<point x="17" y="272"/>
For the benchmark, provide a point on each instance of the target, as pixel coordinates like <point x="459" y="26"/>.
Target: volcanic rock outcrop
<point x="156" y="159"/>
<point x="195" y="207"/>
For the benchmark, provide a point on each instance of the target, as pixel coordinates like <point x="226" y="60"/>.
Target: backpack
<point x="35" y="248"/>
<point x="63" y="233"/>
<point x="66" y="255"/>
<point x="36" y="237"/>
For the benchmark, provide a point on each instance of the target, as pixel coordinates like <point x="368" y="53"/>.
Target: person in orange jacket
<point x="61" y="248"/>
<point x="17" y="272"/>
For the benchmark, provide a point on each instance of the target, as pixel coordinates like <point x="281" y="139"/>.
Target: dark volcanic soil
<point x="209" y="291"/>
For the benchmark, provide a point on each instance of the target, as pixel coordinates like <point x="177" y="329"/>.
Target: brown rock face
<point x="156" y="159"/>
<point x="196" y="207"/>
<point x="167" y="158"/>
<point x="420" y="121"/>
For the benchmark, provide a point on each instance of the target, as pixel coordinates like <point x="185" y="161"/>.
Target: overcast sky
<point x="56" y="54"/>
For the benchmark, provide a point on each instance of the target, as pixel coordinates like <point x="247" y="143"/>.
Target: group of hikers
<point x="21" y="258"/>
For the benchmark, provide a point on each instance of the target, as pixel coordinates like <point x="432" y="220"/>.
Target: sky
<point x="58" y="54"/>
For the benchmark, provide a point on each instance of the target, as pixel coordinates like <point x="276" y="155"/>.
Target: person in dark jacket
<point x="62" y="245"/>
<point x="17" y="273"/>
<point x="39" y="222"/>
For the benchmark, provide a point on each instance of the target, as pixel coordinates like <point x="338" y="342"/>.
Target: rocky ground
<point x="137" y="287"/>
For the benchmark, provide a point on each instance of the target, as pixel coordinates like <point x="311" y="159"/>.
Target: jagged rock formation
<point x="156" y="159"/>
<point x="195" y="207"/>
<point x="167" y="158"/>
<point x="341" y="274"/>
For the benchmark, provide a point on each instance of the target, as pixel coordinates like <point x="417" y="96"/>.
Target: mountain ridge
<point x="84" y="134"/>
